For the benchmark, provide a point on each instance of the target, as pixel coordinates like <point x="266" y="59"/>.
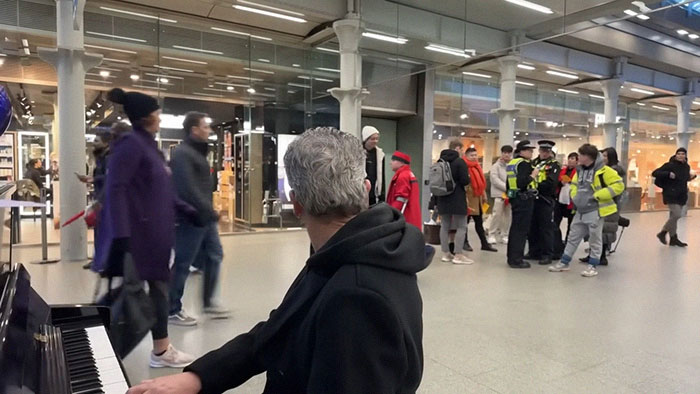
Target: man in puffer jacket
<point x="674" y="177"/>
<point x="593" y="190"/>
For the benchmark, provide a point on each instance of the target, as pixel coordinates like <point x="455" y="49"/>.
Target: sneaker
<point x="447" y="258"/>
<point x="195" y="270"/>
<point x="559" y="267"/>
<point x="491" y="239"/>
<point x="461" y="259"/>
<point x="217" y="312"/>
<point x="182" y="319"/>
<point x="504" y="240"/>
<point x="590" y="271"/>
<point x="172" y="358"/>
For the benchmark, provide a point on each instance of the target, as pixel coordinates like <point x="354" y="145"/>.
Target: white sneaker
<point x="447" y="258"/>
<point x="461" y="259"/>
<point x="559" y="267"/>
<point x="590" y="271"/>
<point x="504" y="240"/>
<point x="172" y="358"/>
<point x="217" y="312"/>
<point x="491" y="239"/>
<point x="182" y="319"/>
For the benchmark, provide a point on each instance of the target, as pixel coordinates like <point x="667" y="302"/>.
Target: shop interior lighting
<point x="179" y="59"/>
<point x="232" y="84"/>
<point x="104" y="73"/>
<point x="524" y="83"/>
<point x="109" y="59"/>
<point x="643" y="17"/>
<point x="331" y="70"/>
<point x="184" y="48"/>
<point x="163" y="80"/>
<point x="661" y="108"/>
<point x="526" y="67"/>
<point x="270" y="13"/>
<point x="561" y="74"/>
<point x="384" y="37"/>
<point x="264" y="60"/>
<point x="270" y="7"/>
<point x="147" y="16"/>
<point x="98" y="80"/>
<point x="207" y="95"/>
<point x="110" y="49"/>
<point x="116" y="70"/>
<point x="296" y="65"/>
<point x="316" y="79"/>
<point x="642" y="91"/>
<point x="217" y="90"/>
<point x="567" y="91"/>
<point x="299" y="85"/>
<point x="631" y="13"/>
<point x="532" y="6"/>
<point x="245" y="78"/>
<point x="250" y="90"/>
<point x="25" y="47"/>
<point x="163" y="76"/>
<point x="642" y="104"/>
<point x="693" y="36"/>
<point x="696" y="102"/>
<point x="682" y="32"/>
<point x="476" y="74"/>
<point x="331" y="50"/>
<point x="230" y="88"/>
<point x="464" y="116"/>
<point x="94" y="33"/>
<point x="240" y="33"/>
<point x="447" y="50"/>
<point x="257" y="70"/>
<point x="270" y="89"/>
<point x="597" y="96"/>
<point x="134" y="77"/>
<point x="184" y="70"/>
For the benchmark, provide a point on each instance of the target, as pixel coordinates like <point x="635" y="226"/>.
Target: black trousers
<point x="519" y="228"/>
<point x="541" y="237"/>
<point x="561" y="211"/>
<point x="479" y="225"/>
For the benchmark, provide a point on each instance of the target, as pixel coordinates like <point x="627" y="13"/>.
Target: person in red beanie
<point x="404" y="193"/>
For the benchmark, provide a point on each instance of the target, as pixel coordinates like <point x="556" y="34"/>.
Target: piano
<point x="60" y="349"/>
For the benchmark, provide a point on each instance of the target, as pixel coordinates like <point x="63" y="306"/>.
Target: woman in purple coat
<point x="139" y="214"/>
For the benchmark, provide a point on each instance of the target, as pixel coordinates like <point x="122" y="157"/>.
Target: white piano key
<point x="115" y="388"/>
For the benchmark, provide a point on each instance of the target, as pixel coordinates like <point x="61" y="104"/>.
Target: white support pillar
<point x="611" y="90"/>
<point x="683" y="106"/>
<point x="489" y="150"/>
<point x="508" y="66"/>
<point x="350" y="92"/>
<point x="71" y="63"/>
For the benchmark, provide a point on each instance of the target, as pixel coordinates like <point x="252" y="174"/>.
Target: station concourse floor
<point x="487" y="329"/>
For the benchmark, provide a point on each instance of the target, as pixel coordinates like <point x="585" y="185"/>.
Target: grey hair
<point x="326" y="171"/>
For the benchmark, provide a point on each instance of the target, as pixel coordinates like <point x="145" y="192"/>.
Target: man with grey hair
<point x="352" y="320"/>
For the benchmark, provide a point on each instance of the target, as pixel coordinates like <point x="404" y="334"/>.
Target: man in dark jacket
<point x="522" y="191"/>
<point x="541" y="237"/>
<point x="674" y="177"/>
<point x="352" y="320"/>
<point x="196" y="238"/>
<point x="453" y="207"/>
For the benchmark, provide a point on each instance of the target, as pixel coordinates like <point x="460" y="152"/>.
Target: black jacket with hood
<point x="350" y="323"/>
<point x="192" y="179"/>
<point x="455" y="203"/>
<point x="675" y="190"/>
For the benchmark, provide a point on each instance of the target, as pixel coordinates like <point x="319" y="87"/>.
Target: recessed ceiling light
<point x="641" y="104"/>
<point x="526" y="67"/>
<point x="296" y="65"/>
<point x="661" y="108"/>
<point x="108" y="59"/>
<point x="164" y="76"/>
<point x="398" y="59"/>
<point x="682" y="32"/>
<point x="230" y="88"/>
<point x="270" y="13"/>
<point x="693" y="36"/>
<point x="476" y="74"/>
<point x="164" y="80"/>
<point x="642" y="91"/>
<point x="643" y="17"/>
<point x="384" y="37"/>
<point x="264" y="60"/>
<point x="134" y="77"/>
<point x="447" y="50"/>
<point x="138" y="14"/>
<point x="631" y="13"/>
<point x="207" y="94"/>
<point x="597" y="96"/>
<point x="184" y="70"/>
<point x="463" y="116"/>
<point x="94" y="33"/>
<point x="104" y="73"/>
<point x="232" y="84"/>
<point x="532" y="6"/>
<point x="524" y="83"/>
<point x="567" y="91"/>
<point x="299" y="85"/>
<point x="561" y="74"/>
<point x="332" y="70"/>
<point x="250" y="90"/>
<point x="257" y="70"/>
<point x="109" y="49"/>
<point x="331" y="50"/>
<point x="696" y="102"/>
<point x="179" y="59"/>
<point x="270" y="7"/>
<point x="245" y="78"/>
<point x="184" y="48"/>
<point x="240" y="33"/>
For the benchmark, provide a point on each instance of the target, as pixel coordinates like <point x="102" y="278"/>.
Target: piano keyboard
<point x="93" y="366"/>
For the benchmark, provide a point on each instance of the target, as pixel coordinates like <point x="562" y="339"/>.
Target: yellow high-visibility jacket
<point x="607" y="184"/>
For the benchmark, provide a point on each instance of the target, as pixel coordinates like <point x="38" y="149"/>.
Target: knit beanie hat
<point x="368" y="131"/>
<point x="682" y="150"/>
<point x="136" y="105"/>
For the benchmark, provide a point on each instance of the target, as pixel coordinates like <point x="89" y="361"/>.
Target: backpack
<point x="440" y="179"/>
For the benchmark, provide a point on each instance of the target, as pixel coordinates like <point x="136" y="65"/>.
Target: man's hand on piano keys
<point x="182" y="383"/>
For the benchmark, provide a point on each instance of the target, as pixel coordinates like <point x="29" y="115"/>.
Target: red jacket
<point x="404" y="188"/>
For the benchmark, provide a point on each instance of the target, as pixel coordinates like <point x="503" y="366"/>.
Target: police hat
<point x="523" y="145"/>
<point x="546" y="144"/>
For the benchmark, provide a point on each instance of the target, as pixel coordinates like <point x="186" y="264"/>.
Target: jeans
<point x="446" y="223"/>
<point x="675" y="212"/>
<point x="193" y="243"/>
<point x="590" y="224"/>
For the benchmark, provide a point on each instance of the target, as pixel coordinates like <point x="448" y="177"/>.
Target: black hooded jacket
<point x="350" y="323"/>
<point x="455" y="203"/>
<point x="675" y="190"/>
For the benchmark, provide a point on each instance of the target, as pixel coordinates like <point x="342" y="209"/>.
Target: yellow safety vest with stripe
<point x="606" y="185"/>
<point x="512" y="173"/>
<point x="542" y="176"/>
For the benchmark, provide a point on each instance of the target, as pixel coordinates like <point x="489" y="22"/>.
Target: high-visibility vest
<point x="606" y="185"/>
<point x="512" y="173"/>
<point x="542" y="176"/>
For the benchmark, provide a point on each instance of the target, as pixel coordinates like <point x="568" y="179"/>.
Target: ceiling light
<point x="462" y="133"/>
<point x="526" y="67"/>
<point x="298" y="85"/>
<point x="524" y="83"/>
<point x="296" y="65"/>
<point x="2" y="61"/>
<point x="532" y="6"/>
<point x="104" y="73"/>
<point x="245" y="78"/>
<point x="642" y="91"/>
<point x="567" y="91"/>
<point x="138" y="14"/>
<point x="398" y="59"/>
<point x="94" y="33"/>
<point x="463" y="116"/>
<point x="108" y="59"/>
<point x="230" y="88"/>
<point x="250" y="90"/>
<point x="163" y="80"/>
<point x="693" y="36"/>
<point x="597" y="96"/>
<point x="207" y="94"/>
<point x="164" y="76"/>
<point x="332" y="70"/>
<point x="331" y="50"/>
<point x="696" y="102"/>
<point x="240" y="33"/>
<point x="184" y="70"/>
<point x="257" y="70"/>
<point x="316" y="79"/>
<point x="134" y="77"/>
<point x="270" y="7"/>
<point x="197" y="50"/>
<point x="682" y="32"/>
<point x="661" y="108"/>
<point x="476" y="74"/>
<point x="643" y="17"/>
<point x="178" y="59"/>
<point x="97" y="81"/>
<point x="447" y="50"/>
<point x="291" y="91"/>
<point x="561" y="74"/>
<point x="642" y="104"/>
<point x="109" y="49"/>
<point x="270" y="13"/>
<point x="264" y="60"/>
<point x="384" y="37"/>
<point x="270" y="89"/>
<point x="631" y="13"/>
<point x="216" y="90"/>
<point x="232" y="84"/>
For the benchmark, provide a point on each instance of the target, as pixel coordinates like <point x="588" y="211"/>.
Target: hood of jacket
<point x="449" y="155"/>
<point x="584" y="200"/>
<point x="377" y="237"/>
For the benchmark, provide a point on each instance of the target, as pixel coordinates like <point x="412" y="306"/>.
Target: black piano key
<point x="87" y="386"/>
<point x="83" y="371"/>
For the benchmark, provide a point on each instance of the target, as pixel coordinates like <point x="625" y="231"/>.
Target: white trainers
<point x="491" y="239"/>
<point x="559" y="267"/>
<point x="461" y="259"/>
<point x="590" y="271"/>
<point x="172" y="358"/>
<point x="217" y="312"/>
<point x="447" y="258"/>
<point x="504" y="240"/>
<point x="182" y="319"/>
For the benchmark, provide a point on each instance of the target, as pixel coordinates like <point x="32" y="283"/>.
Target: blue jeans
<point x="192" y="244"/>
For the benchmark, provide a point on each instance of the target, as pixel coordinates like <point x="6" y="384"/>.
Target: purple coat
<point x="139" y="204"/>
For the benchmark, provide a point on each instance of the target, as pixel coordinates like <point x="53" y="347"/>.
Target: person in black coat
<point x="452" y="208"/>
<point x="673" y="177"/>
<point x="352" y="320"/>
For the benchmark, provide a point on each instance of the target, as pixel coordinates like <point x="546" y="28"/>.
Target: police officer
<point x="541" y="237"/>
<point x="522" y="191"/>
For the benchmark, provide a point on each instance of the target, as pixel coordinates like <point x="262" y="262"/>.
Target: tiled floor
<point x="488" y="329"/>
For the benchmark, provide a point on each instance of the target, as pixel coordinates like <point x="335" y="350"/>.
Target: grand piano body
<point x="59" y="349"/>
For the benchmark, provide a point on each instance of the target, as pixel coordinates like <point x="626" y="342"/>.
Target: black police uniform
<point x="522" y="204"/>
<point x="541" y="236"/>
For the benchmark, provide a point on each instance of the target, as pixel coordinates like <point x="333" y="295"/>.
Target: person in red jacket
<point x="404" y="193"/>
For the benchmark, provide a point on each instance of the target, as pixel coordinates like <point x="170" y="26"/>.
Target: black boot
<point x="585" y="259"/>
<point x="489" y="248"/>
<point x="545" y="261"/>
<point x="467" y="247"/>
<point x="662" y="237"/>
<point x="452" y="247"/>
<point x="677" y="242"/>
<point x="603" y="257"/>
